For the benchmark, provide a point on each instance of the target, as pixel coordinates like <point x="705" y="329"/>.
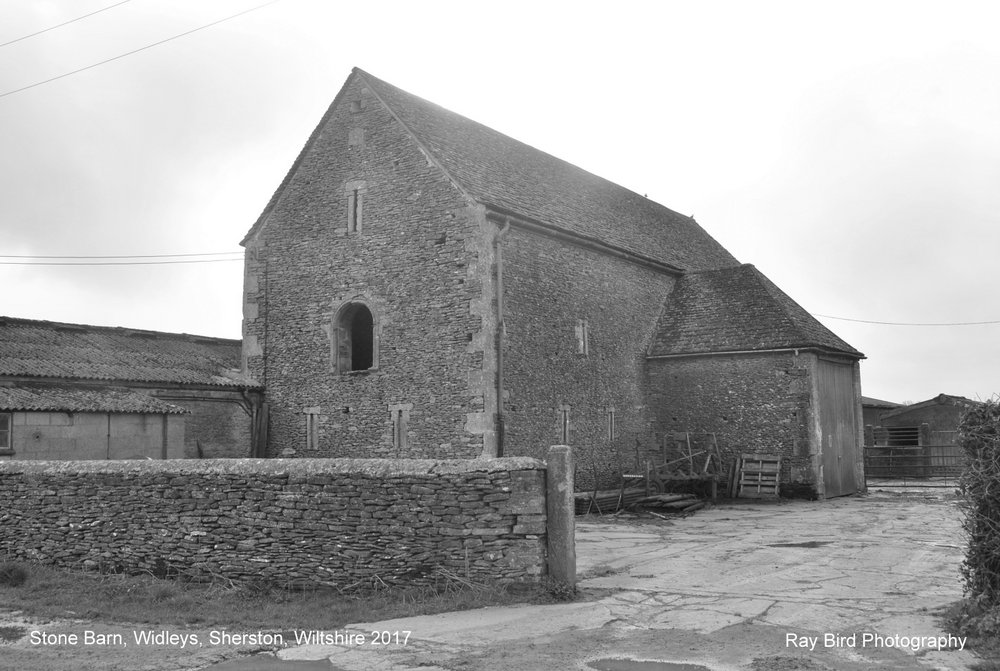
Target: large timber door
<point x="838" y="424"/>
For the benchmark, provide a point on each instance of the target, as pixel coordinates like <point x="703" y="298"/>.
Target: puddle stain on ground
<point x="270" y="663"/>
<point x="636" y="665"/>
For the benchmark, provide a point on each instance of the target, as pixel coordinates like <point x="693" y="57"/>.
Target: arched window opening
<point x="355" y="348"/>
<point x="362" y="345"/>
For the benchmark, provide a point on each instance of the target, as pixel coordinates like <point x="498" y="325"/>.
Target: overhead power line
<point x="135" y="51"/>
<point x="868" y="321"/>
<point x="65" y="23"/>
<point x="111" y="263"/>
<point x="120" y="256"/>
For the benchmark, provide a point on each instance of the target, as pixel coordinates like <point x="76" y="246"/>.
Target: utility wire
<point x="90" y="261"/>
<point x="135" y="51"/>
<point x="110" y="263"/>
<point x="65" y="23"/>
<point x="868" y="321"/>
<point x="122" y="256"/>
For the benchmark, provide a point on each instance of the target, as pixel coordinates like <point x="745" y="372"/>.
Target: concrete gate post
<point x="560" y="513"/>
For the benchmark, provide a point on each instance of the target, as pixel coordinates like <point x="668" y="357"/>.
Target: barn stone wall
<point x="366" y="218"/>
<point x="215" y="428"/>
<point x="577" y="326"/>
<point x="754" y="403"/>
<point x="346" y="523"/>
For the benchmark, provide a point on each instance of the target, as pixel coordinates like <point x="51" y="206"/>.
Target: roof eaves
<point x="503" y="214"/>
<point x="764" y="350"/>
<point x="787" y="304"/>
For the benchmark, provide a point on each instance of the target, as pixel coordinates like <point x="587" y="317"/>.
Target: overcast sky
<point x="851" y="151"/>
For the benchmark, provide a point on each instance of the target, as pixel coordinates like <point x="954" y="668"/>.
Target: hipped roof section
<point x="737" y="310"/>
<point x="511" y="177"/>
<point x="54" y="350"/>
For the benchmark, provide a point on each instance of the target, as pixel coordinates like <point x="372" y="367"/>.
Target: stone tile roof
<point x="45" y="398"/>
<point x="733" y="310"/>
<point x="514" y="178"/>
<point x="53" y="350"/>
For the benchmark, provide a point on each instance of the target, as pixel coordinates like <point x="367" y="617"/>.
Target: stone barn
<point x="420" y="285"/>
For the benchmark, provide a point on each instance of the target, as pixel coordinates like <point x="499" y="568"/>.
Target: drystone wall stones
<point x="347" y="523"/>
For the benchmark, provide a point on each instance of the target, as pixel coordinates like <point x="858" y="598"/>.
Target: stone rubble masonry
<point x="754" y="403"/>
<point x="550" y="288"/>
<point x="415" y="263"/>
<point x="345" y="523"/>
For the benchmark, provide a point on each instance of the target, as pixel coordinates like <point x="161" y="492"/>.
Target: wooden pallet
<point x="759" y="476"/>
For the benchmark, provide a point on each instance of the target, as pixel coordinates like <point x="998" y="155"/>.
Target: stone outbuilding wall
<point x="95" y="435"/>
<point x="345" y="523"/>
<point x="777" y="403"/>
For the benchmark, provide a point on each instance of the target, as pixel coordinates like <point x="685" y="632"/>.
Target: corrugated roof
<point x="878" y="403"/>
<point x="940" y="399"/>
<point x="82" y="399"/>
<point x="508" y="175"/>
<point x="43" y="349"/>
<point x="733" y="310"/>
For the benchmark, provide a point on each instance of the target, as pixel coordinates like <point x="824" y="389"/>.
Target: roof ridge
<point x="368" y="76"/>
<point x="124" y="330"/>
<point x="777" y="300"/>
<point x="409" y="131"/>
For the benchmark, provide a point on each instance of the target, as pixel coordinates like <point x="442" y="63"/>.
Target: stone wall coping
<point x="277" y="467"/>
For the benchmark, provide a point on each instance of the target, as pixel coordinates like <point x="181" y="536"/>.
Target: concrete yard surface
<point x="851" y="583"/>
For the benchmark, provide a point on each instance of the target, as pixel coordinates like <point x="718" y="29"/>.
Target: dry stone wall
<point x="347" y="523"/>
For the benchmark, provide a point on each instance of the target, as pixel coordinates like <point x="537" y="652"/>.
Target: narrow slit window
<point x="582" y="337"/>
<point x="312" y="428"/>
<point x="564" y="424"/>
<point x="612" y="428"/>
<point x="355" y="192"/>
<point x="400" y="415"/>
<point x="354" y="211"/>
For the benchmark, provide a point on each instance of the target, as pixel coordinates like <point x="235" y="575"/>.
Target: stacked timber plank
<point x="607" y="501"/>
<point x="610" y="501"/>
<point x="670" y="503"/>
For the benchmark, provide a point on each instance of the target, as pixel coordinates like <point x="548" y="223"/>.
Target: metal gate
<point x="938" y="461"/>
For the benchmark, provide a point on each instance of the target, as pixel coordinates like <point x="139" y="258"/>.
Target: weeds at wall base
<point x="53" y="593"/>
<point x="12" y="574"/>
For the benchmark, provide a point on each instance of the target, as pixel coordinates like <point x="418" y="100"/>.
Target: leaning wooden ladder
<point x="697" y="464"/>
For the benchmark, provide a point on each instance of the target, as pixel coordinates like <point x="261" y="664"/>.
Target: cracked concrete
<point x="728" y="588"/>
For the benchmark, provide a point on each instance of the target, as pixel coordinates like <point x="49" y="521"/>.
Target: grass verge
<point x="54" y="593"/>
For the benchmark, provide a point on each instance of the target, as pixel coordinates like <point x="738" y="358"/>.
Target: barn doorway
<point x="838" y="425"/>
